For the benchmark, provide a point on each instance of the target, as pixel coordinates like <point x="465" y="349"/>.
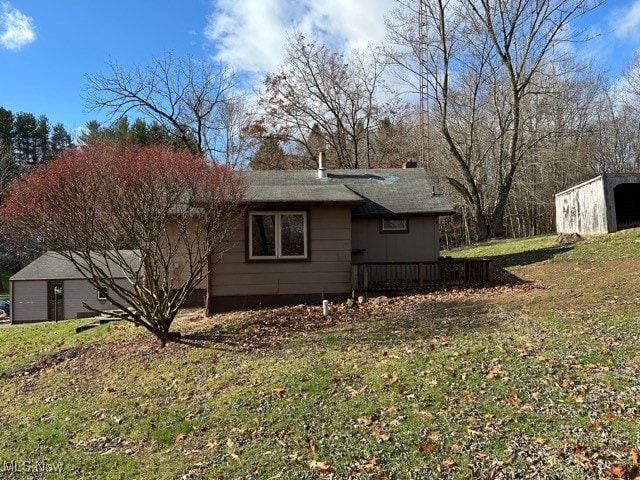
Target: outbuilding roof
<point x="372" y="192"/>
<point x="53" y="266"/>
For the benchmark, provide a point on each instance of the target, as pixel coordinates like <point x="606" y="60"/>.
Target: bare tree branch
<point x="191" y="98"/>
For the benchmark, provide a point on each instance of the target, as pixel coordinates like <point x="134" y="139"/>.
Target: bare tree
<point x="170" y="207"/>
<point x="191" y="98"/>
<point x="232" y="136"/>
<point x="318" y="93"/>
<point x="482" y="61"/>
<point x="616" y="139"/>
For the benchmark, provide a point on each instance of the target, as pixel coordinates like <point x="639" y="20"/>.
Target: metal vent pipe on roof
<point x="322" y="171"/>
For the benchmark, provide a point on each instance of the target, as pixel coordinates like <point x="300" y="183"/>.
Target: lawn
<point x="535" y="380"/>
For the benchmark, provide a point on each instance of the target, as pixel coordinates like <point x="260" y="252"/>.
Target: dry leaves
<point x="323" y="467"/>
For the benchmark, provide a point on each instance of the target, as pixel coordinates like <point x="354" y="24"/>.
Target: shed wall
<point x="582" y="209"/>
<point x="610" y="182"/>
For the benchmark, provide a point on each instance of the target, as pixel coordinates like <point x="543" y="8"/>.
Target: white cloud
<point x="626" y="20"/>
<point x="16" y="29"/>
<point x="251" y="34"/>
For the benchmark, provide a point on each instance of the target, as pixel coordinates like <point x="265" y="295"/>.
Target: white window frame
<point x="102" y="298"/>
<point x="402" y="229"/>
<point x="278" y="235"/>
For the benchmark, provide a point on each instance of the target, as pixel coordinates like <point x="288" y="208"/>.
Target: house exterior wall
<point x="30" y="299"/>
<point x="180" y="258"/>
<point x="420" y="244"/>
<point x="236" y="282"/>
<point x="76" y="292"/>
<point x="583" y="209"/>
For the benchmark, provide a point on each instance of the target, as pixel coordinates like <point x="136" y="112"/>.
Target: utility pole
<point x="424" y="103"/>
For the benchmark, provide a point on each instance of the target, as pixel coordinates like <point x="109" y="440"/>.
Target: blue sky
<point x="47" y="47"/>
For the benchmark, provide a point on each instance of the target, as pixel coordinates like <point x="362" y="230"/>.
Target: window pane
<point x="292" y="235"/>
<point x="263" y="235"/>
<point x="394" y="224"/>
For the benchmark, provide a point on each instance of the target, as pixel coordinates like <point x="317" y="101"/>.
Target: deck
<point x="403" y="276"/>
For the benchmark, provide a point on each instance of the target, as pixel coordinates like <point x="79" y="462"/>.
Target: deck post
<point x="366" y="278"/>
<point x="422" y="274"/>
<point x="354" y="278"/>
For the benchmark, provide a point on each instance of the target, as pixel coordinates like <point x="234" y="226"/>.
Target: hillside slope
<point x="535" y="380"/>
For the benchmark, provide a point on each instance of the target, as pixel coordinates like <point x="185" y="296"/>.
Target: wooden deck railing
<point x="373" y="276"/>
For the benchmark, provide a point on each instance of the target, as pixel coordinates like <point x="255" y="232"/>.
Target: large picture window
<point x="278" y="235"/>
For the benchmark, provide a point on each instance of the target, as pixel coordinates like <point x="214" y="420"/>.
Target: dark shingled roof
<point x="392" y="191"/>
<point x="336" y="194"/>
<point x="54" y="266"/>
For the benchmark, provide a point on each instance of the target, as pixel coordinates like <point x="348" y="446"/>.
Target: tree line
<point x="490" y="97"/>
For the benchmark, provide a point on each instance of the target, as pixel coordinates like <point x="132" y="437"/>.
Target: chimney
<point x="410" y="164"/>
<point x="322" y="171"/>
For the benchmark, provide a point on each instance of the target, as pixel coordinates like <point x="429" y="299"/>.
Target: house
<point x="52" y="288"/>
<point x="305" y="230"/>
<point x="604" y="204"/>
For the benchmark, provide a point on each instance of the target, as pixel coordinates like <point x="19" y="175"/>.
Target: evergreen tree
<point x="25" y="126"/>
<point x="60" y="139"/>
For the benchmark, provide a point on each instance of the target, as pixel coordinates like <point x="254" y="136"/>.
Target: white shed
<point x="604" y="204"/>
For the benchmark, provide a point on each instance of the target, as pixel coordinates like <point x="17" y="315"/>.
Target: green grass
<point x="526" y="251"/>
<point x="511" y="383"/>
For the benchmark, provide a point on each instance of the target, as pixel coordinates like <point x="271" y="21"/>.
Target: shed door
<point x="55" y="303"/>
<point x="627" y="199"/>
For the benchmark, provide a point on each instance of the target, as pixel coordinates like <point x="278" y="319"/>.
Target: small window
<point x="395" y="225"/>
<point x="278" y="235"/>
<point x="102" y="294"/>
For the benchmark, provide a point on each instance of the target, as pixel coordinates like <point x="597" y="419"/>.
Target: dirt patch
<point x="257" y="331"/>
<point x="143" y="347"/>
<point x="564" y="239"/>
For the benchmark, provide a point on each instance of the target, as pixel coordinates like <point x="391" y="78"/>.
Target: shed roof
<point x="53" y="266"/>
<point x="620" y="177"/>
<point x="392" y="191"/>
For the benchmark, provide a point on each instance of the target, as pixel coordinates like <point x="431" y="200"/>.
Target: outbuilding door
<point x="55" y="293"/>
<point x="627" y="199"/>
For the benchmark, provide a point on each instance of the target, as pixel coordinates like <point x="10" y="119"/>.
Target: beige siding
<point x="76" y="292"/>
<point x="29" y="301"/>
<point x="180" y="258"/>
<point x="421" y="243"/>
<point x="328" y="270"/>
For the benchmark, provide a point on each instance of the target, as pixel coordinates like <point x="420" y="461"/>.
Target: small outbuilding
<point x="604" y="204"/>
<point x="52" y="288"/>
